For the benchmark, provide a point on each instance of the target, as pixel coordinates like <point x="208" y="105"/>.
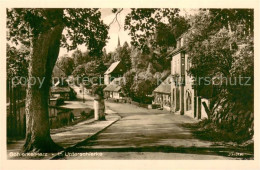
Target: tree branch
<point x="115" y="19"/>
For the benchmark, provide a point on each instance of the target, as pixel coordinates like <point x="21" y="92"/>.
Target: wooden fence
<point x="16" y="117"/>
<point x="15" y="110"/>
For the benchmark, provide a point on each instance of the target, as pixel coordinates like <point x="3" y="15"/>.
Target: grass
<point x="206" y="130"/>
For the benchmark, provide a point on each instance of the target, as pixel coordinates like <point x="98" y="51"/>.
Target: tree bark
<point x="44" y="53"/>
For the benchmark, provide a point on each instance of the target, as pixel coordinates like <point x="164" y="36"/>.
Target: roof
<point x="60" y="89"/>
<point x="118" y="81"/>
<point x="115" y="85"/>
<point x="58" y="72"/>
<point x="112" y="67"/>
<point x="164" y="87"/>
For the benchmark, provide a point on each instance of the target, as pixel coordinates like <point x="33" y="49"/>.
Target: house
<point x="113" y="90"/>
<point x="63" y="92"/>
<point x="162" y="94"/>
<point x="184" y="98"/>
<point x="116" y="69"/>
<point x="61" y="89"/>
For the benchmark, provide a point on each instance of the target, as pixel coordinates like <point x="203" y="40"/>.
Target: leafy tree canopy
<point x="156" y="27"/>
<point x="17" y="61"/>
<point x="66" y="64"/>
<point x="81" y="26"/>
<point x="223" y="39"/>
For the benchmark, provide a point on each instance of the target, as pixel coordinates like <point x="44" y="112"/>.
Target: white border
<point x="142" y="164"/>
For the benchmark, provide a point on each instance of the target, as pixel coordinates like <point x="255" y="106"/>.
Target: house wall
<point x="175" y="64"/>
<point x="188" y="99"/>
<point x="163" y="99"/>
<point x="116" y="95"/>
<point x="188" y="90"/>
<point x="106" y="94"/>
<point x="107" y="79"/>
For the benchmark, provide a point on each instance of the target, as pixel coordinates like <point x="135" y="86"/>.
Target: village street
<point x="164" y="82"/>
<point x="137" y="133"/>
<point x="145" y="134"/>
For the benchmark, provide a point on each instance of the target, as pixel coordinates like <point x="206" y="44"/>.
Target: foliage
<point x="41" y="30"/>
<point x="142" y="24"/>
<point x="123" y="54"/>
<point x="166" y="34"/>
<point x="79" y="71"/>
<point x="139" y="60"/>
<point x="129" y="81"/>
<point x="243" y="66"/>
<point x="214" y="43"/>
<point x="60" y="101"/>
<point x="107" y="57"/>
<point x="80" y="57"/>
<point x="90" y="72"/>
<point x="153" y="31"/>
<point x="233" y="18"/>
<point x="139" y="85"/>
<point x="142" y="88"/>
<point x="223" y="39"/>
<point x="17" y="61"/>
<point x="81" y="26"/>
<point x="95" y="68"/>
<point x="98" y="89"/>
<point x="66" y="64"/>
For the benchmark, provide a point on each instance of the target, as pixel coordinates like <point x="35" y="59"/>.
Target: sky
<point x="114" y="32"/>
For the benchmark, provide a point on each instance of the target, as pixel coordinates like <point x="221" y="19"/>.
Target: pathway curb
<point x="61" y="154"/>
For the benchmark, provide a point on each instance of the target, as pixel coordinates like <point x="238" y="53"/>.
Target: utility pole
<point x="82" y="83"/>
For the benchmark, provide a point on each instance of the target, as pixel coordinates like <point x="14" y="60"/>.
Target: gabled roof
<point x="112" y="67"/>
<point x="58" y="72"/>
<point x="164" y="87"/>
<point x="60" y="89"/>
<point x="115" y="85"/>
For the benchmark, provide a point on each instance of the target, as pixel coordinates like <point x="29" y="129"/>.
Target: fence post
<point x="14" y="111"/>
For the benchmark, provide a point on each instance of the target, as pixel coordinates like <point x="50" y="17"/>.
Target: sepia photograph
<point x="129" y="83"/>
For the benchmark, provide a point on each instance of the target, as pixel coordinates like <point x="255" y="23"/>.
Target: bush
<point x="60" y="101"/>
<point x="98" y="89"/>
<point x="87" y="113"/>
<point x="73" y="94"/>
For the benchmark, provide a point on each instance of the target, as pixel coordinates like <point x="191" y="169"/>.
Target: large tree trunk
<point x="44" y="53"/>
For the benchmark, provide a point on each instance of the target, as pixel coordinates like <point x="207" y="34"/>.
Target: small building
<point x="58" y="72"/>
<point x="162" y="94"/>
<point x="113" y="90"/>
<point x="116" y="69"/>
<point x="61" y="92"/>
<point x="61" y="89"/>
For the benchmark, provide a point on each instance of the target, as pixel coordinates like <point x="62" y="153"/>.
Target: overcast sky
<point x="114" y="32"/>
